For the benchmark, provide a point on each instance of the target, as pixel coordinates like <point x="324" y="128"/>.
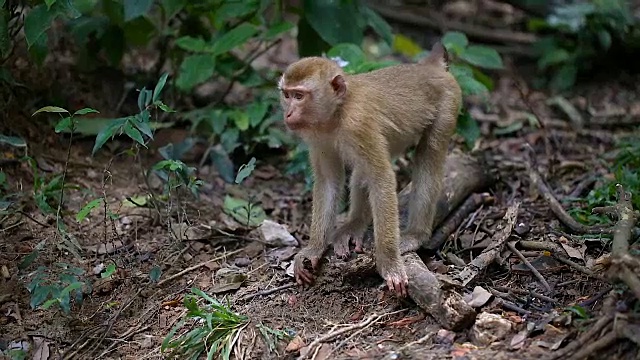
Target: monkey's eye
<point x="298" y="96"/>
<point x="286" y="94"/>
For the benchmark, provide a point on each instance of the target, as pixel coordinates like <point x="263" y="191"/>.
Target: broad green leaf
<point x="52" y="109"/>
<point x="192" y="44"/>
<point x="144" y="98"/>
<point x="378" y="24"/>
<point x="238" y="209"/>
<point x="468" y="128"/>
<point x="335" y="21"/>
<point x="245" y="170"/>
<point x="235" y="37"/>
<point x="140" y="31"/>
<point x="553" y="57"/>
<point x="218" y="120"/>
<point x="406" y="46"/>
<point x="229" y="139"/>
<point x="84" y="212"/>
<point x="47" y="304"/>
<point x="85" y="6"/>
<point x="49" y="3"/>
<point x="39" y="294"/>
<point x="241" y="119"/>
<point x="64" y="124"/>
<point x="143" y="125"/>
<point x="114" y="44"/>
<point x="37" y="22"/>
<point x="164" y="107"/>
<point x="159" y="86"/>
<point x="482" y="56"/>
<point x="71" y="287"/>
<point x="136" y="201"/>
<point x="85" y="111"/>
<point x="222" y="162"/>
<point x="194" y="70"/>
<point x="110" y="270"/>
<point x="134" y="133"/>
<point x="232" y="10"/>
<point x="348" y="52"/>
<point x="256" y="112"/>
<point x="172" y="7"/>
<point x="135" y="8"/>
<point x="107" y="132"/>
<point x="455" y="41"/>
<point x="39" y="50"/>
<point x="277" y="29"/>
<point x="309" y="41"/>
<point x="155" y="274"/>
<point x="468" y="84"/>
<point x="14" y="141"/>
<point x="5" y="41"/>
<point x="565" y="77"/>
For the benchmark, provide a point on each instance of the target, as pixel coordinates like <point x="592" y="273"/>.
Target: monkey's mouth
<point x="294" y="125"/>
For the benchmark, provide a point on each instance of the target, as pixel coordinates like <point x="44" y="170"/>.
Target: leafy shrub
<point x="579" y="34"/>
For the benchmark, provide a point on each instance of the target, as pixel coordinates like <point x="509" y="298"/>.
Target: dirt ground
<point x="129" y="316"/>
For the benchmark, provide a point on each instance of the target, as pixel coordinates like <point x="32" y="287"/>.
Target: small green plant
<point x="248" y="212"/>
<point x="578" y="34"/>
<point x="214" y="330"/>
<point x="47" y="290"/>
<point x="271" y="336"/>
<point x="625" y="172"/>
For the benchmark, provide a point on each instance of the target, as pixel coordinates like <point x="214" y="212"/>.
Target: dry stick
<point x="587" y="336"/>
<point x="622" y="263"/>
<point x="269" y="291"/>
<point x="438" y="22"/>
<point x="556" y="252"/>
<point x="528" y="264"/>
<point x="487" y="257"/>
<point x="198" y="266"/>
<point x="454" y="220"/>
<point x="594" y="347"/>
<point x="559" y="211"/>
<point x="525" y="292"/>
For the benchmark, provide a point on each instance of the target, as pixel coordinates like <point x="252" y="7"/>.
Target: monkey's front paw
<point x="301" y="273"/>
<point x="344" y="237"/>
<point x="397" y="281"/>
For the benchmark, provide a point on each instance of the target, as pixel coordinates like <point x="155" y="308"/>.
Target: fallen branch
<point x="526" y="262"/>
<point x="175" y="276"/>
<point x="489" y="255"/>
<point x="557" y="251"/>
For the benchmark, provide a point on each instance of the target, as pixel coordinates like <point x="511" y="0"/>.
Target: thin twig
<point x="175" y="276"/>
<point x="269" y="291"/>
<point x="526" y="262"/>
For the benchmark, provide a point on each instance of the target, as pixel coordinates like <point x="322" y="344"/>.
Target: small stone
<point x="275" y="234"/>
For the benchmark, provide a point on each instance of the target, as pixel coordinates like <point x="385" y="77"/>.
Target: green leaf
<point x="73" y="286"/>
<point x="159" y="86"/>
<point x="309" y="41"/>
<point x="143" y="125"/>
<point x="192" y="44"/>
<point x="85" y="111"/>
<point x="139" y="31"/>
<point x="482" y="56"/>
<point x="144" y="98"/>
<point x="256" y="112"/>
<point x="172" y="7"/>
<point x="222" y="162"/>
<point x="232" y="10"/>
<point x="565" y="77"/>
<point x="64" y="124"/>
<point x="36" y="23"/>
<point x="241" y="119"/>
<point x="155" y="274"/>
<point x="110" y="270"/>
<point x="455" y="41"/>
<point x="277" y="29"/>
<point x="348" y="52"/>
<point x="378" y="24"/>
<point x="335" y="21"/>
<point x="468" y="128"/>
<point x="164" y="107"/>
<point x="234" y="38"/>
<point x="553" y="57"/>
<point x="14" y="141"/>
<point x="135" y="8"/>
<point x="51" y="109"/>
<point x="406" y="46"/>
<point x="195" y="69"/>
<point x="468" y="84"/>
<point x="107" y="132"/>
<point x="49" y="3"/>
<point x="5" y="41"/>
<point x="245" y="170"/>
<point x="237" y="208"/>
<point x="84" y="212"/>
<point x="28" y="260"/>
<point x="134" y="133"/>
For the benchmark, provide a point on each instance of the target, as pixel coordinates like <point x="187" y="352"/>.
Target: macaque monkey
<point x="363" y="121"/>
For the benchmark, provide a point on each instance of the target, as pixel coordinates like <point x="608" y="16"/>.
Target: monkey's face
<point x="312" y="104"/>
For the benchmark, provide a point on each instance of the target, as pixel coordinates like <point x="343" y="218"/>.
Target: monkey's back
<point x="404" y="99"/>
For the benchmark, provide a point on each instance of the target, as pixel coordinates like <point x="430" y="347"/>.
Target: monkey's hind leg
<point x="358" y="220"/>
<point x="427" y="178"/>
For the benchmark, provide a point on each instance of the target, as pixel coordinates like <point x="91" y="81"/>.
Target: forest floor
<point x="127" y="316"/>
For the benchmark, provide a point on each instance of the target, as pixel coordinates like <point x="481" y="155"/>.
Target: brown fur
<point x="363" y="121"/>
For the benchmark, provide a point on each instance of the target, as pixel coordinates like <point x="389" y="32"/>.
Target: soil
<point x="128" y="316"/>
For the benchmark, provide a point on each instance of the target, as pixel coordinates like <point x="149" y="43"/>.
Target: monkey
<point x="363" y="122"/>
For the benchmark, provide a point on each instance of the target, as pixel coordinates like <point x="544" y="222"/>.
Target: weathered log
<point x="464" y="176"/>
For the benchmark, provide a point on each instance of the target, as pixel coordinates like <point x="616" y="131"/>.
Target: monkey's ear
<point x="339" y="85"/>
<point x="438" y="56"/>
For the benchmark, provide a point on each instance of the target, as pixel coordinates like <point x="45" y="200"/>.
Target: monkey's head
<point x="311" y="90"/>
